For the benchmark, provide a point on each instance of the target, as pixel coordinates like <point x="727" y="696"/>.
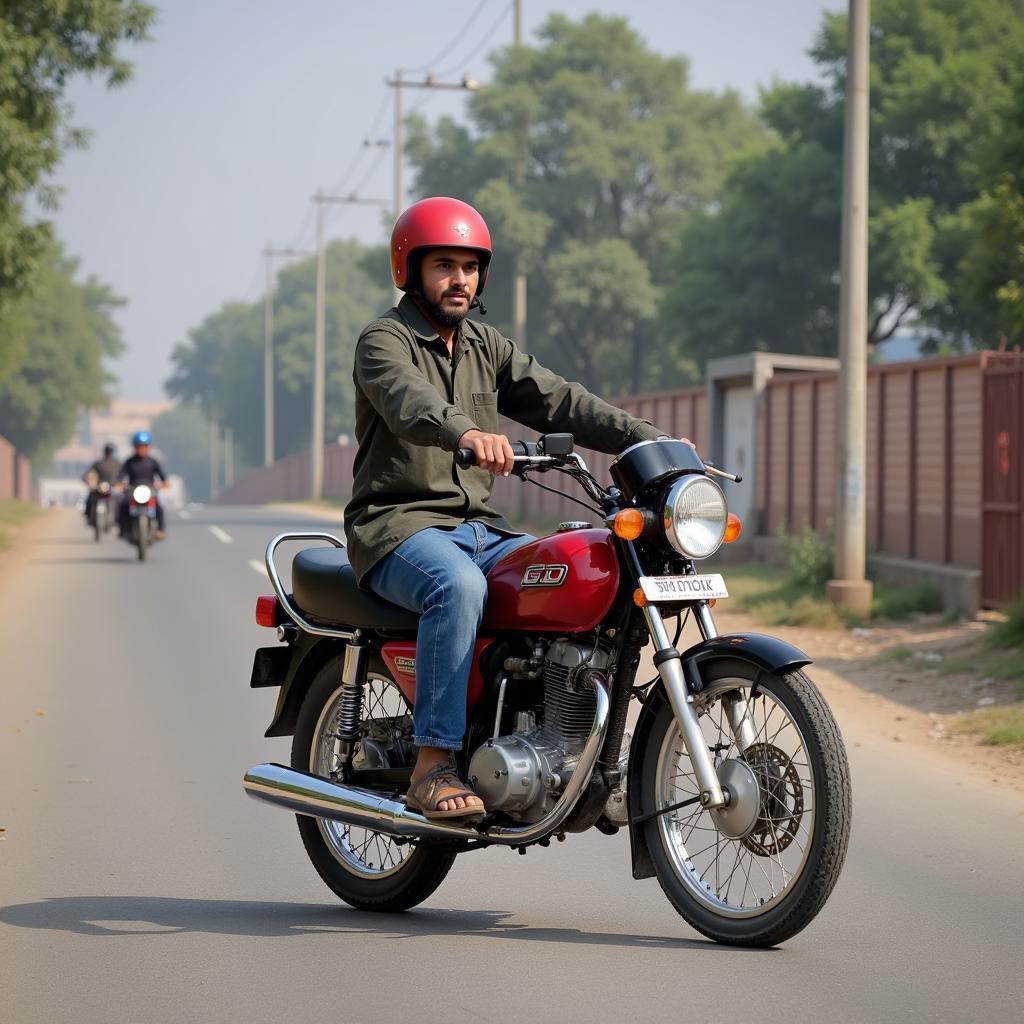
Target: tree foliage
<point x="762" y="271"/>
<point x="220" y="367"/>
<point x="588" y="153"/>
<point x="64" y="331"/>
<point x="42" y="44"/>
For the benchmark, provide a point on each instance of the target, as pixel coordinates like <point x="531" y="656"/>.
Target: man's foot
<point x="440" y="794"/>
<point x="159" y="535"/>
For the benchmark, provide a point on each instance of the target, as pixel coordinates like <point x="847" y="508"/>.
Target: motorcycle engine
<point x="523" y="773"/>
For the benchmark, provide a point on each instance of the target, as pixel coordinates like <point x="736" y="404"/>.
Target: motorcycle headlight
<point x="695" y="516"/>
<point x="141" y="494"/>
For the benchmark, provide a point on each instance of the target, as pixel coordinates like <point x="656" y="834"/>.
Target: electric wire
<point x="461" y="33"/>
<point x="483" y="41"/>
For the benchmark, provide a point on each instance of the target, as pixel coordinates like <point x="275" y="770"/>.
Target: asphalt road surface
<point x="138" y="883"/>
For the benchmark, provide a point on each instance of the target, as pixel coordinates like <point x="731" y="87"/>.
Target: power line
<point x="460" y="35"/>
<point x="461" y="65"/>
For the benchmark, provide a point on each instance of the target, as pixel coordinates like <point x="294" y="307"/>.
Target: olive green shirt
<point x="414" y="402"/>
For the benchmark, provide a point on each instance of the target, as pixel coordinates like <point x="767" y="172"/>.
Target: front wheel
<point x="758" y="871"/>
<point x="368" y="870"/>
<point x="142" y="536"/>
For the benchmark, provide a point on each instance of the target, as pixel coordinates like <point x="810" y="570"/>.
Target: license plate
<point x="683" y="588"/>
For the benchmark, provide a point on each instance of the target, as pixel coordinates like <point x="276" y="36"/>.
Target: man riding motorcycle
<point x="421" y="533"/>
<point x="102" y="471"/>
<point x="141" y="468"/>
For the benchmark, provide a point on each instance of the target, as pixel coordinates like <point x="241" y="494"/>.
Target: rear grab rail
<point x="282" y="597"/>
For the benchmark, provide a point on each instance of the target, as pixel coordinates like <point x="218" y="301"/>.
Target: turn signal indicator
<point x="733" y="528"/>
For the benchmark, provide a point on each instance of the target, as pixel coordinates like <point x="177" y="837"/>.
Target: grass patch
<point x="14" y="513"/>
<point x="904" y="602"/>
<point x="901" y="652"/>
<point x="780" y="600"/>
<point x="1010" y="632"/>
<point x="1003" y="726"/>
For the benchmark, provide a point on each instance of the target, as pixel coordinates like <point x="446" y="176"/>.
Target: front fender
<point x="767" y="653"/>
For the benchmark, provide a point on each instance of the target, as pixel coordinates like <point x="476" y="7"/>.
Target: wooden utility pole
<point x="518" y="275"/>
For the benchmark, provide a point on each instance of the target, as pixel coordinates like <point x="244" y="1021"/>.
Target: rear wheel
<point x="758" y="871"/>
<point x="368" y="870"/>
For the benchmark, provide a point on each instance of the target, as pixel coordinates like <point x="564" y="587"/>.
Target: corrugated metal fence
<point x="923" y="457"/>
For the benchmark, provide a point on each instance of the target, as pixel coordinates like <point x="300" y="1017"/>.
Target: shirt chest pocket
<point x="485" y="410"/>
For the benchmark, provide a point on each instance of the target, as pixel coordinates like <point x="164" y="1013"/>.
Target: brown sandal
<point x="423" y="795"/>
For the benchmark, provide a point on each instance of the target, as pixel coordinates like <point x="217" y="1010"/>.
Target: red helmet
<point x="437" y="223"/>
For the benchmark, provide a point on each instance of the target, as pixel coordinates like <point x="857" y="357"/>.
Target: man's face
<point x="142" y="450"/>
<point x="449" y="279"/>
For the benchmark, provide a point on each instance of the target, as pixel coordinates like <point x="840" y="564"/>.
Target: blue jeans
<point x="441" y="573"/>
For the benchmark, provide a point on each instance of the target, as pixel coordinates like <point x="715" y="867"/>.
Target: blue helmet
<point x="142" y="437"/>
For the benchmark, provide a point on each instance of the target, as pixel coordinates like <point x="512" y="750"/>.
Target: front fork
<point x="682" y="682"/>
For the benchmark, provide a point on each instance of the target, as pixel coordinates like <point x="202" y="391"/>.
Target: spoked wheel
<point x="368" y="870"/>
<point x="758" y="871"/>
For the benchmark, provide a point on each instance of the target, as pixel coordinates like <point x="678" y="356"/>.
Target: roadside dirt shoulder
<point x="911" y="702"/>
<point x="25" y="538"/>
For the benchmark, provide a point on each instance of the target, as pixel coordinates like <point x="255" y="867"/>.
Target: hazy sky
<point x="241" y="109"/>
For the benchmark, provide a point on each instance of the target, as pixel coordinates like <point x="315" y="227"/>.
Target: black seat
<point x="324" y="586"/>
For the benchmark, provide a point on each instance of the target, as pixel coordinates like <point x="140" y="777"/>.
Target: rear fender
<point x="767" y="653"/>
<point x="309" y="654"/>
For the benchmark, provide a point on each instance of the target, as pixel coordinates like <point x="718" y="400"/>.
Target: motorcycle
<point x="141" y="501"/>
<point x="734" y="785"/>
<point x="102" y="509"/>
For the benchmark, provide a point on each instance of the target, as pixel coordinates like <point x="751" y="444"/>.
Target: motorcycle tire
<point x="142" y="536"/>
<point x="97" y="529"/>
<point x="347" y="858"/>
<point x="765" y="880"/>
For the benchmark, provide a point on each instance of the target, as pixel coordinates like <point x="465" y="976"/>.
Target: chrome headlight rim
<point x="676" y="540"/>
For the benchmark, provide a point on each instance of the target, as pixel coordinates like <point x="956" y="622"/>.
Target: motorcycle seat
<point x="324" y="586"/>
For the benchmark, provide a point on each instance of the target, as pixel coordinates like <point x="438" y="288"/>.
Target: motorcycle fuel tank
<point x="564" y="583"/>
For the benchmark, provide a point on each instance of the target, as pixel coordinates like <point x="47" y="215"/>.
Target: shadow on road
<point x="147" y="915"/>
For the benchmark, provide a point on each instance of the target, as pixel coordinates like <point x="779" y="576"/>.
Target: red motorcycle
<point x="734" y="785"/>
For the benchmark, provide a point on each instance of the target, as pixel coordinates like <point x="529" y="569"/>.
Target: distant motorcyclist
<point x="141" y="468"/>
<point x="102" y="471"/>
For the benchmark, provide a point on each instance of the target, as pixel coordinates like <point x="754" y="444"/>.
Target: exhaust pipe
<point x="318" y="797"/>
<point x="321" y="798"/>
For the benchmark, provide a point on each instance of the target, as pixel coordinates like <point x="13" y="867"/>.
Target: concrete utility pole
<point x="268" y="349"/>
<point x="518" y="276"/>
<point x="214" y="474"/>
<point x="850" y="587"/>
<point x="316" y="464"/>
<point x="398" y="84"/>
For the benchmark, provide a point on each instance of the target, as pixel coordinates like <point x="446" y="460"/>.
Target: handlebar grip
<point x="465" y="457"/>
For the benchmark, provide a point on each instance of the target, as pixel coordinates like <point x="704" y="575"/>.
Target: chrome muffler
<point x="321" y="798"/>
<point x="318" y="797"/>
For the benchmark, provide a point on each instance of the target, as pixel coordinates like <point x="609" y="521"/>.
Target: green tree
<point x="617" y="154"/>
<point x="990" y="284"/>
<point x="64" y="330"/>
<point x="42" y="44"/>
<point x="220" y="367"/>
<point x="762" y="270"/>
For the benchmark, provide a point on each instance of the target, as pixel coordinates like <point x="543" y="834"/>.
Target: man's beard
<point x="443" y="316"/>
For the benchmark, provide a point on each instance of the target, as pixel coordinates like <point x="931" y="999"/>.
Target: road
<point x="139" y="884"/>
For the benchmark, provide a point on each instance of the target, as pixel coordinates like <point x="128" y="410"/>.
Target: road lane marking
<point x="258" y="566"/>
<point x="223" y="537"/>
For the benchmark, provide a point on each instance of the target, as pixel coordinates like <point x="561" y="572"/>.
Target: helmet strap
<point x="477" y="304"/>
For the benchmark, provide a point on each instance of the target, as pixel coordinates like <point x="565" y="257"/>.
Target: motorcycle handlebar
<point x="522" y="451"/>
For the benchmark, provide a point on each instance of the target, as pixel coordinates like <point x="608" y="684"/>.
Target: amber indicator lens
<point x="733" y="528"/>
<point x="639" y="598"/>
<point x="629" y="524"/>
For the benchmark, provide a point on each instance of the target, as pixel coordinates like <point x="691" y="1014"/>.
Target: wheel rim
<point x="748" y="875"/>
<point x="385" y="714"/>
